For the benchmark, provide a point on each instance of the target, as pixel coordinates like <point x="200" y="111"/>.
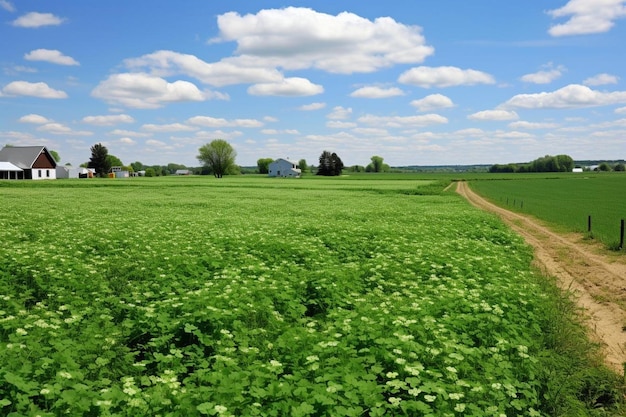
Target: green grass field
<point x="354" y="296"/>
<point x="565" y="201"/>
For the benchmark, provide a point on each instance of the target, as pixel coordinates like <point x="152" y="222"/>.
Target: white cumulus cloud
<point x="207" y="121"/>
<point x="289" y="87"/>
<point x="144" y="91"/>
<point x="127" y="141"/>
<point x="61" y="129"/>
<point x="340" y="113"/>
<point x="312" y="106"/>
<point x="172" y="127"/>
<point x="432" y="102"/>
<point x="36" y="20"/>
<point x="50" y="55"/>
<point x="337" y="124"/>
<point x="376" y="92"/>
<point x="494" y="115"/>
<point x="229" y="71"/>
<point x="299" y="38"/>
<point x="544" y="76"/>
<point x="7" y="5"/>
<point x="571" y="96"/>
<point x="25" y="88"/>
<point x="403" y="121"/>
<point x="521" y="124"/>
<point x="108" y="120"/>
<point x="427" y="77"/>
<point x="601" y="79"/>
<point x="587" y="16"/>
<point x="34" y="119"/>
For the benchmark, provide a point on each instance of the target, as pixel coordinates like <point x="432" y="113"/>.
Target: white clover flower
<point x="275" y="363"/>
<point x="65" y="375"/>
<point x="460" y="407"/>
<point x="220" y="409"/>
<point x="394" y="401"/>
<point x="21" y="331"/>
<point x="312" y="358"/>
<point x="430" y="398"/>
<point x="415" y="371"/>
<point x="44" y="391"/>
<point x="392" y="375"/>
<point x="456" y="395"/>
<point x="136" y="402"/>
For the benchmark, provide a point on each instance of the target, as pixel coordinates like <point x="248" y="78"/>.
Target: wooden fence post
<point x="589" y="223"/>
<point x="621" y="236"/>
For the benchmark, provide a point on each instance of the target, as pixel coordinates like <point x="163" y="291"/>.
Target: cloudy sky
<point x="416" y="82"/>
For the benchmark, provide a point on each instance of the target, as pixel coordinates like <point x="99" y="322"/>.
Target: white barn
<point x="283" y="168"/>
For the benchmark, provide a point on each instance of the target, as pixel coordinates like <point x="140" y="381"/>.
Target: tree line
<point x="218" y="159"/>
<point x="558" y="163"/>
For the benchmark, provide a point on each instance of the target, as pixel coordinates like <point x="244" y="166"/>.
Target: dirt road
<point x="597" y="281"/>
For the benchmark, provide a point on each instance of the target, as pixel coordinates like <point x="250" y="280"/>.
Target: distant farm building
<point x="577" y="169"/>
<point x="67" y="171"/>
<point x="27" y="163"/>
<point x="182" y="172"/>
<point x="118" y="172"/>
<point x="283" y="168"/>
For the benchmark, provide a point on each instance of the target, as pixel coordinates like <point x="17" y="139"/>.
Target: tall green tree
<point x="218" y="156"/>
<point x="114" y="161"/>
<point x="330" y="164"/>
<point x="137" y="166"/>
<point x="55" y="155"/>
<point x="303" y="166"/>
<point x="99" y="161"/>
<point x="263" y="164"/>
<point x="173" y="167"/>
<point x="377" y="165"/>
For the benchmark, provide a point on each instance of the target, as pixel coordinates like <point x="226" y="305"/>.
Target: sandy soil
<point x="596" y="278"/>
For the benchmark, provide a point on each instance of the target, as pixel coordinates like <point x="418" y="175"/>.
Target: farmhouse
<point x="283" y="168"/>
<point x="182" y="172"/>
<point x="27" y="163"/>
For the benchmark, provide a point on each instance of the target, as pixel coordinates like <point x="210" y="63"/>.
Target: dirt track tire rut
<point x="597" y="283"/>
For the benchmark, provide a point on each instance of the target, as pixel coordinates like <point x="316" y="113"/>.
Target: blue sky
<point x="416" y="82"/>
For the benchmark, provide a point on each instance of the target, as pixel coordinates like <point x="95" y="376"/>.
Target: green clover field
<point x="249" y="296"/>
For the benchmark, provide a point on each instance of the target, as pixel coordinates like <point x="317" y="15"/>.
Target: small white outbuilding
<point x="283" y="168"/>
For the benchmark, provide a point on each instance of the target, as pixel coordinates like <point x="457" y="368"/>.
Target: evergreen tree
<point x="99" y="160"/>
<point x="330" y="164"/>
